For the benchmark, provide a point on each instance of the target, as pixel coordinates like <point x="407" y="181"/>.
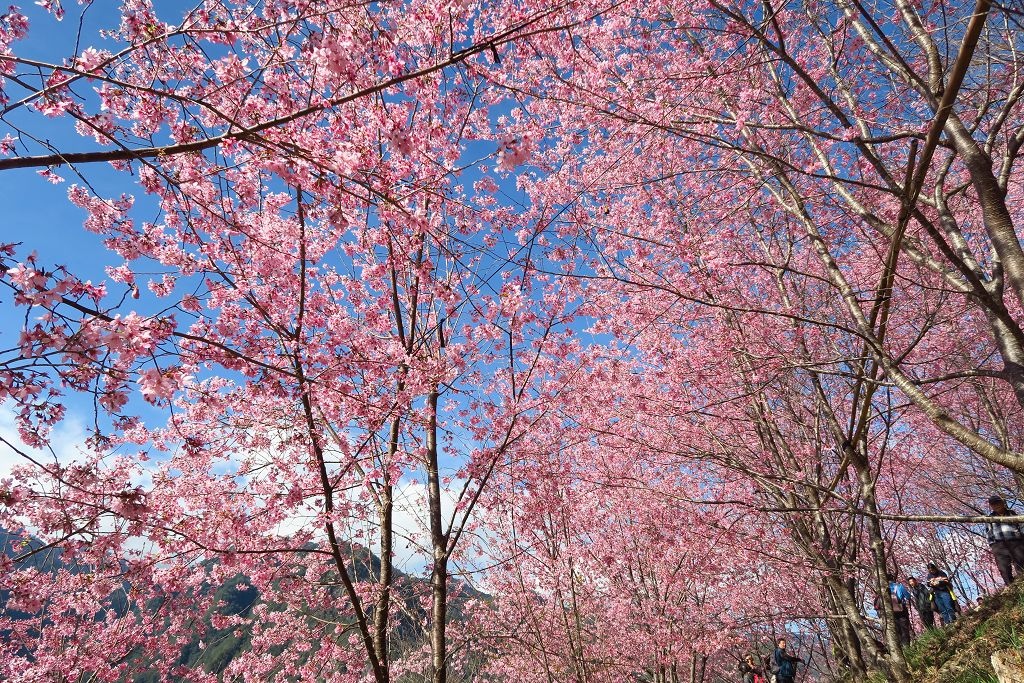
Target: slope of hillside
<point x="962" y="652"/>
<point x="218" y="647"/>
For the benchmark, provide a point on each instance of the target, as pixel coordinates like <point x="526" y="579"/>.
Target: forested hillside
<point x="224" y="631"/>
<point x="509" y="341"/>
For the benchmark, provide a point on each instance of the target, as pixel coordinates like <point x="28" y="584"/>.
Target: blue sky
<point x="37" y="213"/>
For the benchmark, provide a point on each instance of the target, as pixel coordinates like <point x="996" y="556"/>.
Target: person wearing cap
<point x="1006" y="539"/>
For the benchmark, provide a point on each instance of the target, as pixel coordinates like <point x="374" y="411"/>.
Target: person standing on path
<point x="942" y="593"/>
<point x="900" y="597"/>
<point x="922" y="599"/>
<point x="785" y="663"/>
<point x="1006" y="540"/>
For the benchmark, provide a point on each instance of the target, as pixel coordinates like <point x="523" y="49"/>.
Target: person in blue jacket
<point x="900" y="596"/>
<point x="785" y="663"/>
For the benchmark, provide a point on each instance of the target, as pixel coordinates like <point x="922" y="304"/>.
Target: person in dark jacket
<point x="921" y="597"/>
<point x="942" y="593"/>
<point x="1006" y="539"/>
<point x="785" y="663"/>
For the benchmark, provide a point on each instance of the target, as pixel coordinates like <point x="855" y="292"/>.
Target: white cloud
<point x="66" y="441"/>
<point x="412" y="524"/>
<point x="410" y="517"/>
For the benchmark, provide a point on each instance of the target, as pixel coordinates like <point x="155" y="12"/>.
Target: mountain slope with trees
<point x="225" y="630"/>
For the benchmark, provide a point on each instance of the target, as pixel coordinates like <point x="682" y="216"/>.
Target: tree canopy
<point x="509" y="341"/>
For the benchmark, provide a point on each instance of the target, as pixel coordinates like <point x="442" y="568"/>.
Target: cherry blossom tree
<point x="329" y="321"/>
<point x="859" y="125"/>
<point x="781" y="214"/>
<point x="684" y="324"/>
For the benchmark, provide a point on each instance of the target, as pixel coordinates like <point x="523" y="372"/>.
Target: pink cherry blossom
<point x="667" y="327"/>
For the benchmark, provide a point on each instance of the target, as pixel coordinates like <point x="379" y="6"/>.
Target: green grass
<point x="961" y="652"/>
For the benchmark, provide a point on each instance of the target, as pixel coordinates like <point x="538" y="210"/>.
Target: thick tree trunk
<point x="994" y="212"/>
<point x="869" y="652"/>
<point x="383" y="606"/>
<point x="1012" y="355"/>
<point x="845" y="644"/>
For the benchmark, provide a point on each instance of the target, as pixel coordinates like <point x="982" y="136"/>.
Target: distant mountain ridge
<point x="237" y="597"/>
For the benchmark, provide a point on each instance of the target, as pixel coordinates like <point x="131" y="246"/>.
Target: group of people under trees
<point x="934" y="594"/>
<point x="1006" y="541"/>
<point x="779" y="668"/>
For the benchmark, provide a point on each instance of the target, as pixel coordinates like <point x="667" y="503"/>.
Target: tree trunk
<point x="439" y="545"/>
<point x="994" y="212"/>
<point x="894" y="662"/>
